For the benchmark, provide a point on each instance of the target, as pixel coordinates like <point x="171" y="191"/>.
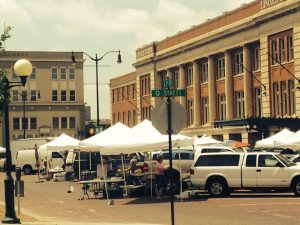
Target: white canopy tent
<point x="2" y="149"/>
<point x="273" y="141"/>
<point x="292" y="142"/>
<point x="144" y="137"/>
<point x="62" y="142"/>
<point x="205" y="140"/>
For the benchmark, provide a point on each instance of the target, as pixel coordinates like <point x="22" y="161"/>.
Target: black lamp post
<point x="96" y="60"/>
<point x="23" y="69"/>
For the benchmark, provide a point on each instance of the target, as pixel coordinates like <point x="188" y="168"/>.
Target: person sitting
<point x="131" y="170"/>
<point x="160" y="176"/>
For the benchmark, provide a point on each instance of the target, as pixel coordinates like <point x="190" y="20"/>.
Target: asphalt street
<point x="50" y="202"/>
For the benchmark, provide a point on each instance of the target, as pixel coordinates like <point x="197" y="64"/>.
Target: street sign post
<point x="167" y="92"/>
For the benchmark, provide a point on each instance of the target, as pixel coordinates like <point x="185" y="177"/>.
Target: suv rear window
<point x="212" y="150"/>
<point x="218" y="160"/>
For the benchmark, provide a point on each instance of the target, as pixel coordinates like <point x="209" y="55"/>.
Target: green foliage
<point x="4" y="90"/>
<point x="4" y="36"/>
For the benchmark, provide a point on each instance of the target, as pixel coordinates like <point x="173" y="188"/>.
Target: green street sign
<point x="168" y="93"/>
<point x="168" y="83"/>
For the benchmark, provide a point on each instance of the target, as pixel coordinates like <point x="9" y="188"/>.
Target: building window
<point x="163" y="78"/>
<point x="15" y="96"/>
<point x="238" y="64"/>
<point x="256" y="58"/>
<point x="33" y="123"/>
<point x="33" y="96"/>
<point x="176" y="79"/>
<point x="54" y="73"/>
<point x="55" y="122"/>
<point x="24" y="96"/>
<point x="63" y="96"/>
<point x="123" y="117"/>
<point x="190" y="112"/>
<point x="16" y="123"/>
<point x="119" y="117"/>
<point x="205" y="110"/>
<point x="274" y="52"/>
<point x="63" y="73"/>
<point x="189" y="76"/>
<point x="276" y="98"/>
<point x="72" y="73"/>
<point x="64" y="122"/>
<point x="14" y="75"/>
<point x="72" y="96"/>
<point x="282" y="50"/>
<point x="291" y="97"/>
<point x="25" y="123"/>
<point x="133" y="91"/>
<point x="54" y="96"/>
<point x="128" y="92"/>
<point x="72" y="122"/>
<point x="33" y="74"/>
<point x="290" y="48"/>
<point x="220" y="68"/>
<point x="123" y="94"/>
<point x="222" y="107"/>
<point x="257" y="102"/>
<point x="129" y="118"/>
<point x="204" y="72"/>
<point x="283" y="98"/>
<point x="239" y="104"/>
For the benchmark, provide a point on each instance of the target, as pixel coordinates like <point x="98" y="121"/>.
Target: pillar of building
<point x="296" y="37"/>
<point x="182" y="85"/>
<point x="196" y="93"/>
<point x="264" y="69"/>
<point x="229" y="86"/>
<point x="248" y="98"/>
<point x="211" y="89"/>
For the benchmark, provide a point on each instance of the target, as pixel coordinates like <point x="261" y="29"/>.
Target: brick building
<point x="55" y="99"/>
<point x="243" y="64"/>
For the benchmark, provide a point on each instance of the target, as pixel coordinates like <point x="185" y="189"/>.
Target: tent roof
<point x="273" y="140"/>
<point x="293" y="142"/>
<point x="62" y="142"/>
<point x="108" y="136"/>
<point x="142" y="137"/>
<point x="204" y="140"/>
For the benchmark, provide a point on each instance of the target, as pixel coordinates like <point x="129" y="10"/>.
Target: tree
<point x="4" y="92"/>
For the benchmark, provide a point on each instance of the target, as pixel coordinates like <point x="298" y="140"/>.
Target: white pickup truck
<point x="220" y="173"/>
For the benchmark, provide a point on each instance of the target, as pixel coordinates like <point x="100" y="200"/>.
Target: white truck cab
<point x="221" y="172"/>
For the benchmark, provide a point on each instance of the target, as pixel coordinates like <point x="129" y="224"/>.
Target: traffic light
<point x="90" y="130"/>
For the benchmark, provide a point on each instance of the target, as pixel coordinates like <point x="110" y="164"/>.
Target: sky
<point x="98" y="26"/>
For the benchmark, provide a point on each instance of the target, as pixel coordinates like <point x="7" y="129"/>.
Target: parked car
<point x="217" y="148"/>
<point x="220" y="173"/>
<point x="296" y="159"/>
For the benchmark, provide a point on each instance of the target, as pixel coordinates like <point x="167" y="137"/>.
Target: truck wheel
<point x="296" y="187"/>
<point x="27" y="170"/>
<point x="218" y="188"/>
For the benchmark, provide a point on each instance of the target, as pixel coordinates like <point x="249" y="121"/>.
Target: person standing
<point x="160" y="176"/>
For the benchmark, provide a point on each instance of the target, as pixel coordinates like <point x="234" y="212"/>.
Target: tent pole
<point x="179" y="156"/>
<point x="104" y="177"/>
<point x="90" y="162"/>
<point x="123" y="168"/>
<point x="151" y="175"/>
<point x="79" y="165"/>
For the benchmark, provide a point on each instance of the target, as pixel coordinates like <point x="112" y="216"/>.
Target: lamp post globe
<point x="23" y="68"/>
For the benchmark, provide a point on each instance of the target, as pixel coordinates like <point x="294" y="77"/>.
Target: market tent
<point x="108" y="136"/>
<point x="144" y="137"/>
<point x="273" y="141"/>
<point x="293" y="142"/>
<point x="62" y="142"/>
<point x="205" y="140"/>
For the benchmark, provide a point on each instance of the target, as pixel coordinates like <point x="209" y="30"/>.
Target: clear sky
<point x="98" y="26"/>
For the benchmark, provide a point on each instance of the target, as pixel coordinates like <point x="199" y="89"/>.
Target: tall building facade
<point x="243" y="64"/>
<point x="53" y="96"/>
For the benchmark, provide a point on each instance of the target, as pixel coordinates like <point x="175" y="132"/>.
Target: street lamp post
<point x="23" y="69"/>
<point x="96" y="60"/>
